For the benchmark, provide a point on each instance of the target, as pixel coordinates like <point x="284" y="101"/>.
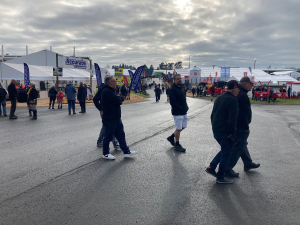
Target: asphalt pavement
<point x="52" y="171"/>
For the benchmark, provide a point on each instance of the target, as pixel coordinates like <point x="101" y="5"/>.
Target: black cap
<point x="232" y="84"/>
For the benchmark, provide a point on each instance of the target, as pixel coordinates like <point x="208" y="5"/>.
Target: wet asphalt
<point x="52" y="171"/>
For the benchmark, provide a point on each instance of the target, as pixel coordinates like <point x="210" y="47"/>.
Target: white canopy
<point x="16" y="71"/>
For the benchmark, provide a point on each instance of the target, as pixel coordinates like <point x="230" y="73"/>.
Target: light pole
<point x="189" y="61"/>
<point x="254" y="62"/>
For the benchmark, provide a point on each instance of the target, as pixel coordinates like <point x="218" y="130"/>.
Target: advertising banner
<point x="227" y="72"/>
<point x="223" y="72"/>
<point x="119" y="72"/>
<point x="136" y="78"/>
<point x="98" y="75"/>
<point x="57" y="72"/>
<point x="76" y="63"/>
<point x="209" y="82"/>
<point x="125" y="80"/>
<point x="245" y="74"/>
<point x="216" y="79"/>
<point x="26" y="75"/>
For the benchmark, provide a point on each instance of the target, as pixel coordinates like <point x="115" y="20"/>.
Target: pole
<point x="189" y="61"/>
<point x="57" y="83"/>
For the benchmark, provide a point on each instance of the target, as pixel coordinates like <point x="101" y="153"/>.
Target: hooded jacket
<point x="70" y="91"/>
<point x="178" y="101"/>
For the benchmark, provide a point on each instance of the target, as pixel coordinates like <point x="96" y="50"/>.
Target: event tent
<point x="16" y="71"/>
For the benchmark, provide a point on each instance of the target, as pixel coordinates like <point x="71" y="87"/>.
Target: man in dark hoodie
<point x="223" y="120"/>
<point x="52" y="95"/>
<point x="111" y="118"/>
<point x="98" y="105"/>
<point x="157" y="91"/>
<point x="179" y="112"/>
<point x="242" y="131"/>
<point x="81" y="97"/>
<point x="70" y="91"/>
<point x="13" y="95"/>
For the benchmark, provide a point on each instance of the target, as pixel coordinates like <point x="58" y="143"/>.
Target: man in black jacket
<point x="52" y="94"/>
<point x="81" y="97"/>
<point x="3" y="94"/>
<point x="157" y="91"/>
<point x="223" y="120"/>
<point x="13" y="95"/>
<point x="242" y="133"/>
<point x="111" y="118"/>
<point x="179" y="112"/>
<point x="98" y="105"/>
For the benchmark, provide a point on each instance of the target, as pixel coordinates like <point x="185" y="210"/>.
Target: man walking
<point x="111" y="119"/>
<point x="242" y="131"/>
<point x="13" y="95"/>
<point x="70" y="91"/>
<point x="81" y="97"/>
<point x="98" y="104"/>
<point x="223" y="120"/>
<point x="52" y="94"/>
<point x="157" y="91"/>
<point x="3" y="94"/>
<point x="179" y="112"/>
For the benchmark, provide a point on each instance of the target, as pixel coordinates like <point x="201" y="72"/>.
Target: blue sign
<point x="26" y="75"/>
<point x="98" y="75"/>
<point x="136" y="78"/>
<point x="225" y="71"/>
<point x="76" y="63"/>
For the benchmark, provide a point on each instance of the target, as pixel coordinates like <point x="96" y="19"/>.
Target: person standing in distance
<point x="242" y="131"/>
<point x="81" y="97"/>
<point x="179" y="112"/>
<point x="223" y="120"/>
<point x="3" y="94"/>
<point x="157" y="91"/>
<point x="70" y="91"/>
<point x="111" y="118"/>
<point x="13" y="95"/>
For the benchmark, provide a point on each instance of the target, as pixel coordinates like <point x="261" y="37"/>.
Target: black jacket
<point x="52" y="92"/>
<point x="3" y="94"/>
<point x="245" y="112"/>
<point x="33" y="94"/>
<point x="82" y="93"/>
<point x="12" y="91"/>
<point x="97" y="99"/>
<point x="178" y="101"/>
<point x="157" y="91"/>
<point x="111" y="104"/>
<point x="224" y="114"/>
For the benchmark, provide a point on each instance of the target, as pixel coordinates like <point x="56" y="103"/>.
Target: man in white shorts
<point x="179" y="112"/>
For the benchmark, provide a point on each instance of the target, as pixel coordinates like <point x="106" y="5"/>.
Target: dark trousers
<point x="114" y="129"/>
<point x="71" y="104"/>
<point x="13" y="107"/>
<point x="222" y="158"/>
<point x="52" y="100"/>
<point x="82" y="105"/>
<point x="240" y="149"/>
<point x="157" y="97"/>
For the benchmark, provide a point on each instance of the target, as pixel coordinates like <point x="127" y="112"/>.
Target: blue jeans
<point x="114" y="129"/>
<point x="240" y="150"/>
<point x="223" y="157"/>
<point x="101" y="136"/>
<point x="71" y="104"/>
<point x="60" y="104"/>
<point x="3" y="103"/>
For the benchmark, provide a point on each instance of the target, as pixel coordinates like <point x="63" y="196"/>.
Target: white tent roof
<point x="16" y="71"/>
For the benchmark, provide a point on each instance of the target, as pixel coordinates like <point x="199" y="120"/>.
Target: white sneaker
<point x="108" y="156"/>
<point x="117" y="148"/>
<point x="130" y="154"/>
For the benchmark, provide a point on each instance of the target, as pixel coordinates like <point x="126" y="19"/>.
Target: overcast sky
<point x="136" y="32"/>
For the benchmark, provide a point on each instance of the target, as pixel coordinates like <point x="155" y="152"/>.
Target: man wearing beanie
<point x="223" y="120"/>
<point x="242" y="131"/>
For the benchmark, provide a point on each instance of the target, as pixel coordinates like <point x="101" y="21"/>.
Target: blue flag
<point x="98" y="75"/>
<point x="250" y="70"/>
<point x="131" y="78"/>
<point x="26" y="75"/>
<point x="136" y="78"/>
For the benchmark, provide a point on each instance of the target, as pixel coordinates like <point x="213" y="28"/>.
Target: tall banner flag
<point x="26" y="75"/>
<point x="136" y="78"/>
<point x="250" y="70"/>
<point x="216" y="79"/>
<point x="125" y="80"/>
<point x="131" y="78"/>
<point x="98" y="75"/>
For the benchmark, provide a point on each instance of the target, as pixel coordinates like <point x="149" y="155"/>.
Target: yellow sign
<point x="119" y="72"/>
<point x="120" y="80"/>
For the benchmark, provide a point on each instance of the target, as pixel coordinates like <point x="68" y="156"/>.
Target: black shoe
<point x="251" y="166"/>
<point x="69" y="111"/>
<point x="4" y="114"/>
<point x="80" y="112"/>
<point x="211" y="171"/>
<point x="34" y="118"/>
<point x="231" y="173"/>
<point x="224" y="181"/>
<point x="179" y="148"/>
<point x="13" y="118"/>
<point x="171" y="140"/>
